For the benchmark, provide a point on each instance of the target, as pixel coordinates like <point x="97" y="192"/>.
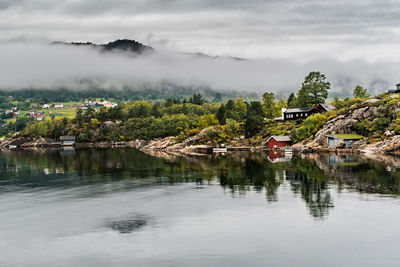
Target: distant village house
<point x="36" y="116"/>
<point x="100" y="104"/>
<point x="67" y="140"/>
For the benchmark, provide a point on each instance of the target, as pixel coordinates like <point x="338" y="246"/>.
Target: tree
<point x="230" y="109"/>
<point x="155" y="110"/>
<point x="232" y="126"/>
<point x="254" y="119"/>
<point x="314" y="89"/>
<point x="220" y="115"/>
<point x="79" y="117"/>
<point x="271" y="110"/>
<point x="139" y="109"/>
<point x="207" y="120"/>
<point x="169" y="102"/>
<point x="197" y="99"/>
<point x="240" y="108"/>
<point x="291" y="101"/>
<point x="360" y="92"/>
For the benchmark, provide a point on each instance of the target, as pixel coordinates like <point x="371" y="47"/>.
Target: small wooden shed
<point x="279" y="141"/>
<point x="67" y="140"/>
<point x="342" y="140"/>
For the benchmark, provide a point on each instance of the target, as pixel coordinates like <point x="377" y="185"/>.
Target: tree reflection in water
<point x="310" y="177"/>
<point x="128" y="225"/>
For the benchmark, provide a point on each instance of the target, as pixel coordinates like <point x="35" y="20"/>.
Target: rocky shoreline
<point x="191" y="146"/>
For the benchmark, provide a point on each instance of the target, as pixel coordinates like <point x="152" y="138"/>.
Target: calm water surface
<point x="125" y="208"/>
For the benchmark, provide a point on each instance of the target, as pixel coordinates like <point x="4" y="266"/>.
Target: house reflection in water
<point x="343" y="160"/>
<point x="277" y="156"/>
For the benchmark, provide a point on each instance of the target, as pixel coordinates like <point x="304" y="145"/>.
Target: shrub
<point x="310" y="126"/>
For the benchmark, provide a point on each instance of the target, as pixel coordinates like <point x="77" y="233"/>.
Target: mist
<point x="51" y="67"/>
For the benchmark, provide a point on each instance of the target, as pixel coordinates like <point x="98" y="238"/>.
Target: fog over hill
<point x="128" y="63"/>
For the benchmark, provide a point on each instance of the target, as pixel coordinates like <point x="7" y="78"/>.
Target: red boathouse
<point x="279" y="141"/>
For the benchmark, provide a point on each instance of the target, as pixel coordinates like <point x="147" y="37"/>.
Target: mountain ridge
<point x="123" y="45"/>
<point x="136" y="47"/>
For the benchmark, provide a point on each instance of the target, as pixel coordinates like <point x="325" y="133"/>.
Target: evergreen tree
<point x="221" y="115"/>
<point x="155" y="110"/>
<point x="230" y="110"/>
<point x="197" y="99"/>
<point x="291" y="101"/>
<point x="169" y="102"/>
<point x="254" y="119"/>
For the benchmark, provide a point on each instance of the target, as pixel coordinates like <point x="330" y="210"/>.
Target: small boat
<point x="288" y="152"/>
<point x="220" y="149"/>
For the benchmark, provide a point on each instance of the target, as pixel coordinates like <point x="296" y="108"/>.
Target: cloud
<point x="38" y="66"/>
<point x="352" y="41"/>
<point x="304" y="30"/>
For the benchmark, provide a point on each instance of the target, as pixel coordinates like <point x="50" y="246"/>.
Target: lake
<point x="122" y="207"/>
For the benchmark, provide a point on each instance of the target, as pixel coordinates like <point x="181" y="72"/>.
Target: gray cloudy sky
<point x="352" y="41"/>
<point x="297" y="29"/>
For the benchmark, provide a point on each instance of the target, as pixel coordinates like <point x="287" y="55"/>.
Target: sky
<point x="361" y="36"/>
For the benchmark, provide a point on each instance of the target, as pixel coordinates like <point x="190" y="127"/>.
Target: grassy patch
<point x="347" y="136"/>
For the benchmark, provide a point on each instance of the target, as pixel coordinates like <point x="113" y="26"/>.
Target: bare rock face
<point x="168" y="144"/>
<point x="160" y="144"/>
<point x="196" y="138"/>
<point x="388" y="146"/>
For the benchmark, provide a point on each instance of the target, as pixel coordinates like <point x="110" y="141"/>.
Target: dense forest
<point x="154" y="92"/>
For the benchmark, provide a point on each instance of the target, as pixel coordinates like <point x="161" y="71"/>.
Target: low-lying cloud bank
<point x="41" y="66"/>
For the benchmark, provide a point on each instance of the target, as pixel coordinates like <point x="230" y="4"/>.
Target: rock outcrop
<point x="346" y="123"/>
<point x="388" y="146"/>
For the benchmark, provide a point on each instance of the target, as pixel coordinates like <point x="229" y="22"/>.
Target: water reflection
<point x="309" y="177"/>
<point x="315" y="193"/>
<point x="128" y="225"/>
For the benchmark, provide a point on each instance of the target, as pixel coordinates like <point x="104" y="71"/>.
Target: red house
<point x="279" y="141"/>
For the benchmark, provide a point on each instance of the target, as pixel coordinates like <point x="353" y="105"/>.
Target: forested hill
<point x="125" y="45"/>
<point x="160" y="91"/>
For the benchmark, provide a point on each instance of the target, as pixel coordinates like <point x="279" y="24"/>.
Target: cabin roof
<point x="328" y="107"/>
<point x="282" y="138"/>
<point x="346" y="136"/>
<point x="296" y="110"/>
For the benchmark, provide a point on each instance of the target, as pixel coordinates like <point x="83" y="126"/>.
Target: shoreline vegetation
<point x="177" y="125"/>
